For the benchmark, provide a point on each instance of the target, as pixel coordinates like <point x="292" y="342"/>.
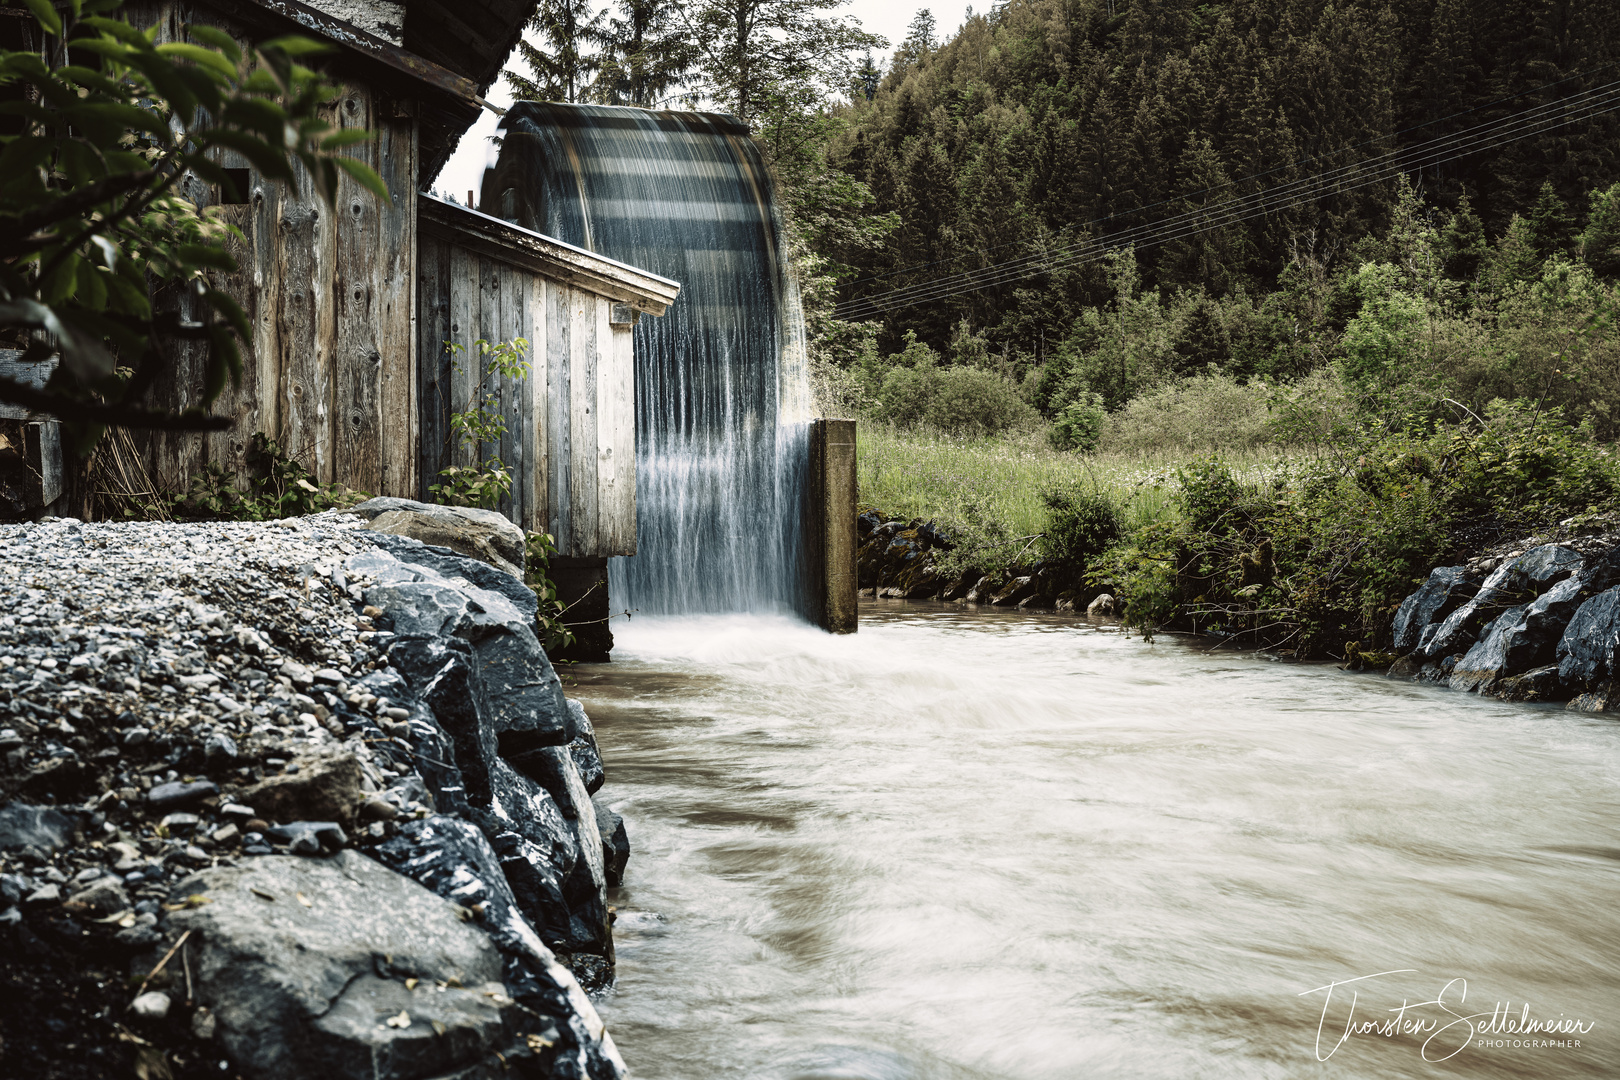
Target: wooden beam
<point x="355" y="42"/>
<point x="497" y="239"/>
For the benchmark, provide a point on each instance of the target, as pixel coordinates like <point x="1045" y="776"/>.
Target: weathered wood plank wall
<point x="570" y="438"/>
<point x="329" y="291"/>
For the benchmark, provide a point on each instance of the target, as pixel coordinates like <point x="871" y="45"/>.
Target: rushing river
<point x="1002" y="845"/>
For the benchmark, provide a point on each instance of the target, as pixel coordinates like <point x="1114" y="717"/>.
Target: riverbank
<point x="291" y="798"/>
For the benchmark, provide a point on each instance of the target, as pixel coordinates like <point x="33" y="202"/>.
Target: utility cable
<point x="1482" y="137"/>
<point x="1479" y="139"/>
<point x="1256" y="176"/>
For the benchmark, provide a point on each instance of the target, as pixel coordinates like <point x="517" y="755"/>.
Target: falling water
<point x="722" y="394"/>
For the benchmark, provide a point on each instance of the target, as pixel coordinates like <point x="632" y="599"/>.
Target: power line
<point x="1256" y="176"/>
<point x="1474" y="140"/>
<point x="1479" y="138"/>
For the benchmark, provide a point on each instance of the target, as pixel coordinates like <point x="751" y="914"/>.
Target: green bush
<point x="1080" y="525"/>
<point x="964" y="402"/>
<point x="1079" y="424"/>
<point x="1203" y="414"/>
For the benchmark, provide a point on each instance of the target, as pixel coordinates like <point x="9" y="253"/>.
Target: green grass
<point x="913" y="474"/>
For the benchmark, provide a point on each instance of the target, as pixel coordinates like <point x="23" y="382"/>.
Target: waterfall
<point x="722" y="388"/>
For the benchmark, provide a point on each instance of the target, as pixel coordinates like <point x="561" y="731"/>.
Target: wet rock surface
<point x="1539" y="623"/>
<point x="188" y="709"/>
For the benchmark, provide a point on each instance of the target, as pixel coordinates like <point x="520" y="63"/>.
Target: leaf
<point x="219" y="39"/>
<point x="346" y="137"/>
<point x="306" y="901"/>
<point x="367" y="177"/>
<point x="295" y="45"/>
<point x="200" y="55"/>
<point x="261" y="894"/>
<point x="403" y="1020"/>
<point x="47" y="16"/>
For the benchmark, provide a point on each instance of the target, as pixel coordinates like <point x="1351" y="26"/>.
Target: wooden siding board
<point x="559" y="334"/>
<point x="433" y="361"/>
<point x="397" y="337"/>
<point x="359" y="252"/>
<point x="582" y="493"/>
<point x="464" y="294"/>
<point x="536" y="515"/>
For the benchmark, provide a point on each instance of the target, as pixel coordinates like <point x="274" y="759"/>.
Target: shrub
<point x="964" y="402"/>
<point x="1080" y="525"/>
<point x="1079" y="425"/>
<point x="1200" y="415"/>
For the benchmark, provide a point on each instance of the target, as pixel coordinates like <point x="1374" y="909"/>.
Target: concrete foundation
<point x="582" y="586"/>
<point x="832" y="539"/>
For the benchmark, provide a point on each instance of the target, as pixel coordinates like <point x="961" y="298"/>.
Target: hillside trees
<point x="1080" y="118"/>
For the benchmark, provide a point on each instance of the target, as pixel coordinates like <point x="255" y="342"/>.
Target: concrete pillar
<point x="832" y="539"/>
<point x="582" y="586"/>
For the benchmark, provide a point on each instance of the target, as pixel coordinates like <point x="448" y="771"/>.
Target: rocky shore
<point x="1530" y="621"/>
<point x="292" y="799"/>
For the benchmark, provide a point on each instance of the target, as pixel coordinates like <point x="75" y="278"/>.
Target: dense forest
<point x="1049" y="130"/>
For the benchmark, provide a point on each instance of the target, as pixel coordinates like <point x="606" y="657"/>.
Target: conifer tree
<point x="646" y="54"/>
<point x="1600" y="243"/>
<point x="1551" y="226"/>
<point x="561" y="65"/>
<point x="746" y="47"/>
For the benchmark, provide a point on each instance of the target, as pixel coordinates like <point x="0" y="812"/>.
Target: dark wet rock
<point x="1587" y="648"/>
<point x="1447" y="588"/>
<point x="1538" y="684"/>
<point x="615" y="843"/>
<point x="1513" y="582"/>
<point x="583" y="749"/>
<point x="421" y="608"/>
<point x="450" y="565"/>
<point x="1017" y="589"/>
<point x="303" y="989"/>
<point x="551" y="767"/>
<point x="443" y="673"/>
<point x="1483" y="664"/>
<point x="959" y="588"/>
<point x="180" y="794"/>
<point x="1544" y="566"/>
<point x="1406" y="667"/>
<point x="42" y="827"/>
<point x="309" y="837"/>
<point x="522" y="692"/>
<point x="325" y="787"/>
<point x="1602" y="699"/>
<point x="1103" y="605"/>
<point x="980" y="592"/>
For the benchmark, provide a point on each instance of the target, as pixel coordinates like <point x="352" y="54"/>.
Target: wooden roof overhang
<point x="545" y="255"/>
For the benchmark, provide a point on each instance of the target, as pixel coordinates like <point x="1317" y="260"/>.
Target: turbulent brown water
<point x="1010" y="846"/>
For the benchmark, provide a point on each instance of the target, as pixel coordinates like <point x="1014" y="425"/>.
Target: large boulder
<point x="478" y="534"/>
<point x="454" y="860"/>
<point x="1515" y="582"/>
<point x="587" y="757"/>
<point x="453" y="567"/>
<point x="1447" y="589"/>
<point x="1586" y="650"/>
<point x="1486" y="662"/>
<point x="615" y="842"/>
<point x="526" y="702"/>
<point x="341" y="968"/>
<point x="315" y="787"/>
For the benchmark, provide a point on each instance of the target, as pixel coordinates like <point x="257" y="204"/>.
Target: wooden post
<point x="832" y="526"/>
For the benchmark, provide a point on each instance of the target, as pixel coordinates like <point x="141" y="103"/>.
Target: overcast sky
<point x="465" y="170"/>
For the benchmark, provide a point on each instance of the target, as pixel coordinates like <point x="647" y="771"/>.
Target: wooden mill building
<point x="353" y="307"/>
